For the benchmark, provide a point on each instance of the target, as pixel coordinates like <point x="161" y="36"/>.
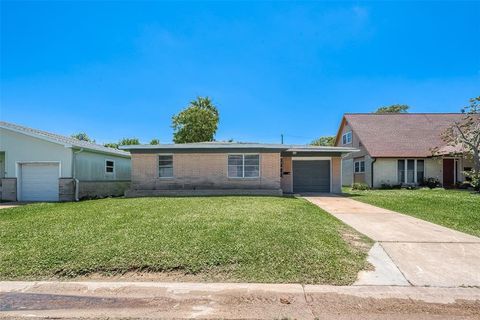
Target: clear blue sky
<point x="122" y="69"/>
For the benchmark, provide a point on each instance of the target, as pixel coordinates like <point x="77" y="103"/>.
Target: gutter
<point x="74" y="166"/>
<point x="371" y="169"/>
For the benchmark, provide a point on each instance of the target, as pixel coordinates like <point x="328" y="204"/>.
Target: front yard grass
<point x="456" y="209"/>
<point x="253" y="239"/>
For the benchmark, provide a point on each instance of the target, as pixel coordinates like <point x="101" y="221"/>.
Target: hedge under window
<point x="165" y="166"/>
<point x="243" y="165"/>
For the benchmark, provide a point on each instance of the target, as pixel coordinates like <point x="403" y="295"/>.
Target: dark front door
<point x="311" y="176"/>
<point x="448" y="173"/>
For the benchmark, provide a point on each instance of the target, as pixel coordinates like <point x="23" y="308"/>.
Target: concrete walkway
<point x="232" y="301"/>
<point x="6" y="205"/>
<point x="409" y="251"/>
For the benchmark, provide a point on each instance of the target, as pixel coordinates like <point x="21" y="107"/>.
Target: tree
<point x="394" y="108"/>
<point x="123" y="142"/>
<point x="82" y="136"/>
<point x="128" y="141"/>
<point x="323" y="141"/>
<point x="154" y="141"/>
<point x="464" y="136"/>
<point x="196" y="123"/>
<point x="111" y="145"/>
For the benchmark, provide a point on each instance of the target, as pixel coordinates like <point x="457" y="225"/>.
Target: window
<point x="109" y="166"/>
<point x="243" y="165"/>
<point x="347" y="137"/>
<point x="165" y="166"/>
<point x="401" y="171"/>
<point x="410" y="171"/>
<point x="467" y="170"/>
<point x="420" y="171"/>
<point x="359" y="166"/>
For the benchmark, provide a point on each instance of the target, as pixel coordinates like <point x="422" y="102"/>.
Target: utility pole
<point x="281" y="137"/>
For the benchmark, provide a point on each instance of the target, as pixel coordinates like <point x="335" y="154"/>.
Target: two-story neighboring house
<point x="398" y="149"/>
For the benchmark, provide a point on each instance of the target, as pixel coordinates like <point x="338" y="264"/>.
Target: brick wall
<point x="9" y="189"/>
<point x="336" y="175"/>
<point x="202" y="171"/>
<point x="102" y="189"/>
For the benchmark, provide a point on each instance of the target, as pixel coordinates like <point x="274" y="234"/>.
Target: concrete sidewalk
<point x="233" y="301"/>
<point x="408" y="250"/>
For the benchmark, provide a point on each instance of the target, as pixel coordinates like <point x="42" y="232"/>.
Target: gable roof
<point x="63" y="140"/>
<point x="401" y="135"/>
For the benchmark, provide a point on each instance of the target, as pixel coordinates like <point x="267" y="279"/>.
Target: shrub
<point x="360" y="186"/>
<point x="430" y="183"/>
<point x="474" y="177"/>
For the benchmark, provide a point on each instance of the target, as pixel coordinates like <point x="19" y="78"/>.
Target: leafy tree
<point x="82" y="136"/>
<point x="323" y="141"/>
<point x="154" y="141"/>
<point x="128" y="141"/>
<point x="196" y="123"/>
<point x="464" y="136"/>
<point x="123" y="142"/>
<point x="111" y="145"/>
<point x="394" y="108"/>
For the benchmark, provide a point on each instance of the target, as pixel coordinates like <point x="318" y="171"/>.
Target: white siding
<point x="19" y="147"/>
<point x="434" y="168"/>
<point x="347" y="172"/>
<point x="90" y="166"/>
<point x="385" y="171"/>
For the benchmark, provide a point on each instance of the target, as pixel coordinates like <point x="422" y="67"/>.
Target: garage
<point x="311" y="176"/>
<point x="39" y="181"/>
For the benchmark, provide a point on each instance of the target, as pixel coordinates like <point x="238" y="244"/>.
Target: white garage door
<point x="39" y="182"/>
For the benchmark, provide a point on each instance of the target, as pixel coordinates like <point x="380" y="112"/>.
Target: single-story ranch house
<point x="398" y="149"/>
<point x="234" y="168"/>
<point x="41" y="166"/>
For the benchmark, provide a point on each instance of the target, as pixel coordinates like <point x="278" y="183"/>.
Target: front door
<point x="448" y="173"/>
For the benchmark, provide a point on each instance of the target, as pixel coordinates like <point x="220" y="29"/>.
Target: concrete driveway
<point x="409" y="251"/>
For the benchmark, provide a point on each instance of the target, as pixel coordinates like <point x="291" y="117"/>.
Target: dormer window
<point x="347" y="137"/>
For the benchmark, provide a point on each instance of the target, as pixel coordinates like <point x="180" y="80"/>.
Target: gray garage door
<point x="311" y="176"/>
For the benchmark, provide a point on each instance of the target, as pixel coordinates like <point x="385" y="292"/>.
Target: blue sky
<point x="122" y="69"/>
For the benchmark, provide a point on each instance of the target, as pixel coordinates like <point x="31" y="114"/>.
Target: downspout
<point x="371" y="169"/>
<point x="77" y="182"/>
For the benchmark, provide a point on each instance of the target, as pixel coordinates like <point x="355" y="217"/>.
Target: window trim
<point x="113" y="167"/>
<point x="158" y="166"/>
<point x="347" y="135"/>
<point x="243" y="165"/>
<point x="359" y="166"/>
<point x="415" y="170"/>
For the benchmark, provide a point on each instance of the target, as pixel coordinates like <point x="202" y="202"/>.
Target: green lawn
<point x="254" y="239"/>
<point x="456" y="209"/>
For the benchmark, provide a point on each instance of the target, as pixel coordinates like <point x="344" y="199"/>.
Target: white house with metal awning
<point x="37" y="165"/>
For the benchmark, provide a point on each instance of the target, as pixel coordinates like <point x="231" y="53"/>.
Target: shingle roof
<point x="401" y="135"/>
<point x="56" y="138"/>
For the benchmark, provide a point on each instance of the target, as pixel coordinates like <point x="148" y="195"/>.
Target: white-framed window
<point x="165" y="166"/>
<point x="243" y="165"/>
<point x="359" y="166"/>
<point x="109" y="167"/>
<point x="347" y="137"/>
<point x="410" y="171"/>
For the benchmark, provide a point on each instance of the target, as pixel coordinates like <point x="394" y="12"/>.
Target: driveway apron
<point x="425" y="254"/>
